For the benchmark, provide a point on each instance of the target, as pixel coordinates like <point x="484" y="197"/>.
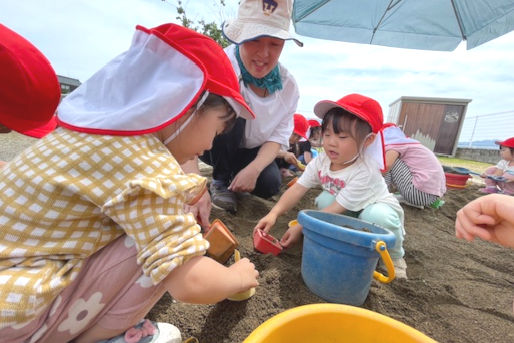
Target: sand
<point x="456" y="291"/>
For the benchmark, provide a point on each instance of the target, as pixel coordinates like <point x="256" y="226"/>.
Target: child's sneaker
<point x="400" y="268"/>
<point x="437" y="204"/>
<point x="148" y="332"/>
<point x="488" y="190"/>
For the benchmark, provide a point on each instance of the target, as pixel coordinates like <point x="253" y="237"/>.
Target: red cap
<point x="300" y="125"/>
<point x="509" y="142"/>
<point x="29" y="88"/>
<point x="363" y="107"/>
<point x="313" y="123"/>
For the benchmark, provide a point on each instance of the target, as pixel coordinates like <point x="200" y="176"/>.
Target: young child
<point x="314" y="133"/>
<point x="299" y="151"/>
<point x="500" y="178"/>
<point x="92" y="226"/>
<point x="348" y="170"/>
<point x="412" y="169"/>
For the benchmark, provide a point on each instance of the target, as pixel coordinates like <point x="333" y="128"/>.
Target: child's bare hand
<point x="292" y="236"/>
<point x="266" y="223"/>
<point x="290" y="158"/>
<point x="247" y="272"/>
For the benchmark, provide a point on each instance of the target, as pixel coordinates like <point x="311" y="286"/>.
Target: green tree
<point x="210" y="29"/>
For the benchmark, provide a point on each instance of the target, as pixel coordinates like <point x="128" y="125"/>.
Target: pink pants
<point x="507" y="187"/>
<point x="110" y="291"/>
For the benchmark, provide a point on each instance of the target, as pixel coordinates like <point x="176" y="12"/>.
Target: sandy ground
<point x="456" y="291"/>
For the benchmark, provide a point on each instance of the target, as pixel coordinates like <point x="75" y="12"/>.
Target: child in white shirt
<point x="500" y="178"/>
<point x="348" y="170"/>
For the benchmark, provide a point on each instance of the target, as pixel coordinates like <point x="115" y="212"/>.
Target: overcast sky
<point x="80" y="36"/>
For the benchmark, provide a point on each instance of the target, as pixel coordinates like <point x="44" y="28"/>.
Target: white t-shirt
<point x="504" y="165"/>
<point x="274" y="113"/>
<point x="354" y="187"/>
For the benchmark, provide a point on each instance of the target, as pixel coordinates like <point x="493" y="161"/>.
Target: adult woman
<point x="243" y="159"/>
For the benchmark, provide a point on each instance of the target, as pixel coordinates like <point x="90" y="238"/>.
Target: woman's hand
<point x="489" y="217"/>
<point x="292" y="236"/>
<point x="245" y="180"/>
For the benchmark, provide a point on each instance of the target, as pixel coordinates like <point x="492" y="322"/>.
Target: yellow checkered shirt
<point x="71" y="194"/>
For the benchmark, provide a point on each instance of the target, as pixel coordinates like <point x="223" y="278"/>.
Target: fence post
<point x="473" y="132"/>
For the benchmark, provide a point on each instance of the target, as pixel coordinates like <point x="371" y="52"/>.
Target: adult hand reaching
<point x="245" y="180"/>
<point x="490" y="218"/>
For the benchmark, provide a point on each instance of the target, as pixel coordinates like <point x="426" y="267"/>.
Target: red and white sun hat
<point x="29" y="88"/>
<point x="153" y="84"/>
<point x="366" y="109"/>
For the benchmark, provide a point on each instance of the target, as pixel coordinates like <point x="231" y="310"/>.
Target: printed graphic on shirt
<point x="330" y="184"/>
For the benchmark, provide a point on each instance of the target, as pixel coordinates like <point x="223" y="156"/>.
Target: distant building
<point x="435" y="122"/>
<point x="68" y="84"/>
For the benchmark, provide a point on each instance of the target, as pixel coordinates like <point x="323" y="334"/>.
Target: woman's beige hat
<point x="257" y="18"/>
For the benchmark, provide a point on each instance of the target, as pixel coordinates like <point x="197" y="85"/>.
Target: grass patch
<point x="475" y="166"/>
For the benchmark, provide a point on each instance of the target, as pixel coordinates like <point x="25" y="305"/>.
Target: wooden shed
<point x="435" y="122"/>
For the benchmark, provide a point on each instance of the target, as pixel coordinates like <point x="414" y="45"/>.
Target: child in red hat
<point x="93" y="229"/>
<point x="299" y="152"/>
<point x="348" y="170"/>
<point x="500" y="178"/>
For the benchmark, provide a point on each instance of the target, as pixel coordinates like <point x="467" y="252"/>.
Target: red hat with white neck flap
<point x="153" y="84"/>
<point x="366" y="109"/>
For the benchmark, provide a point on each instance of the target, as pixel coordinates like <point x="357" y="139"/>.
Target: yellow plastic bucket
<point x="334" y="323"/>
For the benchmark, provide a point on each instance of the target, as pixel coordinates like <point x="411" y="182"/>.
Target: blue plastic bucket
<point x="340" y="254"/>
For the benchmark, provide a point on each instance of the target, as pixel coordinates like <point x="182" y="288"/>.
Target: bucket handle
<point x="381" y="248"/>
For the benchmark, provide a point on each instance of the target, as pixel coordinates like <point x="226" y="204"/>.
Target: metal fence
<point x="482" y="130"/>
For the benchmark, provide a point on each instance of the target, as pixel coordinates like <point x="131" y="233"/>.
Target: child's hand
<point x="490" y="218"/>
<point x="292" y="236"/>
<point x="247" y="273"/>
<point x="266" y="223"/>
<point x="290" y="158"/>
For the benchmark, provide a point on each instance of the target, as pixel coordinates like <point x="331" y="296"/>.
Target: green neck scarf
<point x="270" y="82"/>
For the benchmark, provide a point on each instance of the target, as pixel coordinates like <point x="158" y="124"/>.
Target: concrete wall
<point x="480" y="155"/>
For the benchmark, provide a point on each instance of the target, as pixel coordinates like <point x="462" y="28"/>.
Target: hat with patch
<point x="260" y="18"/>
